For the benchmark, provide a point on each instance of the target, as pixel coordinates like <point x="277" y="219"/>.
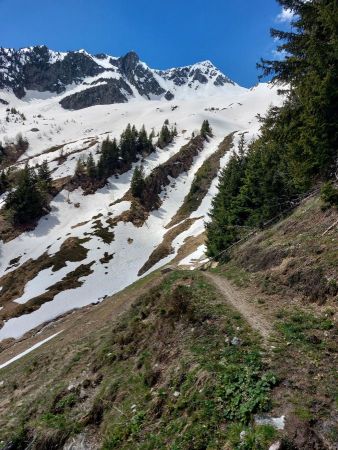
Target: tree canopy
<point x="298" y="141"/>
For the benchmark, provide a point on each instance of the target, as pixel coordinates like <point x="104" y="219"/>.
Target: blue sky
<point x="232" y="34"/>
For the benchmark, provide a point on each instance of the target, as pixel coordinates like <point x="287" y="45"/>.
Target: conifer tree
<point x="151" y="135"/>
<point x="113" y="157"/>
<point x="128" y="144"/>
<point x="144" y="143"/>
<point x="102" y="169"/>
<point x="165" y="137"/>
<point x="2" y="152"/>
<point x="310" y="71"/>
<point x="91" y="167"/>
<point x="44" y="177"/>
<point x="298" y="141"/>
<point x="109" y="159"/>
<point x="206" y="129"/>
<point x="25" y="203"/>
<point x="4" y="183"/>
<point x="137" y="182"/>
<point x="222" y="230"/>
<point x="80" y="169"/>
<point x="21" y="142"/>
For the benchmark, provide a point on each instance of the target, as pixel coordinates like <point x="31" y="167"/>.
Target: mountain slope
<point x="89" y="246"/>
<point x="154" y="378"/>
<point x="174" y="368"/>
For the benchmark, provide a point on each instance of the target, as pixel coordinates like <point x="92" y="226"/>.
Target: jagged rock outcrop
<point x="139" y="75"/>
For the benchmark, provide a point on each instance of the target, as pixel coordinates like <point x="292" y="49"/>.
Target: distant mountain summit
<point x="102" y="79"/>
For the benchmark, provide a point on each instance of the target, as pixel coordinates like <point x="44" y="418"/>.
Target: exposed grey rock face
<point x="40" y="75"/>
<point x="35" y="69"/>
<point x="113" y="91"/>
<point x="139" y="75"/>
<point x="104" y="79"/>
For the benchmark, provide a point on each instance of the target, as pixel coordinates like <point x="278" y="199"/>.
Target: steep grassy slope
<point x="180" y="370"/>
<point x="290" y="274"/>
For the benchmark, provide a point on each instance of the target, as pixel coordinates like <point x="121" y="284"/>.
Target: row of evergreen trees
<point x="138" y="182"/>
<point x="166" y="135"/>
<point x="117" y="157"/>
<point x="298" y="142"/>
<point x="29" y="197"/>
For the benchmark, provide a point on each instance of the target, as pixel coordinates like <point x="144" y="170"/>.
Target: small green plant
<point x="57" y="421"/>
<point x="251" y="438"/>
<point x="298" y="326"/>
<point x="245" y="390"/>
<point x="67" y="402"/>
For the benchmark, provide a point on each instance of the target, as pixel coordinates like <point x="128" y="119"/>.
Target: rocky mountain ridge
<point x="102" y="79"/>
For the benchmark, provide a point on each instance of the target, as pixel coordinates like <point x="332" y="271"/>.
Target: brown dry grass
<point x="165" y="248"/>
<point x="202" y="182"/>
<point x="191" y="244"/>
<point x="295" y="256"/>
<point x="14" y="282"/>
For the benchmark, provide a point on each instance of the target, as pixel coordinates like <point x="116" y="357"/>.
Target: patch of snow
<point x="276" y="422"/>
<point x="29" y="350"/>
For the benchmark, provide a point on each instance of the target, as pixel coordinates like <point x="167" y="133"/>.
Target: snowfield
<point x="228" y="109"/>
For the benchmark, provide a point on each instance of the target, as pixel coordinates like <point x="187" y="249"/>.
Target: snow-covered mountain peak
<point x="102" y="79"/>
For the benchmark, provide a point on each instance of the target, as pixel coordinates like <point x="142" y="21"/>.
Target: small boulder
<point x="235" y="341"/>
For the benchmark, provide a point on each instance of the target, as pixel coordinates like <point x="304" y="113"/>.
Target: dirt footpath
<point x="240" y="302"/>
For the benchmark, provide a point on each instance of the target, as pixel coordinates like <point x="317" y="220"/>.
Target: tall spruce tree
<point x="137" y="182"/>
<point x="128" y="144"/>
<point x="144" y="143"/>
<point x="4" y="183"/>
<point x="310" y="72"/>
<point x="113" y="154"/>
<point x="44" y="176"/>
<point x="91" y="167"/>
<point x="222" y="230"/>
<point x="102" y="170"/>
<point x="166" y="135"/>
<point x="80" y="169"/>
<point x="206" y="129"/>
<point x="109" y="159"/>
<point x="25" y="203"/>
